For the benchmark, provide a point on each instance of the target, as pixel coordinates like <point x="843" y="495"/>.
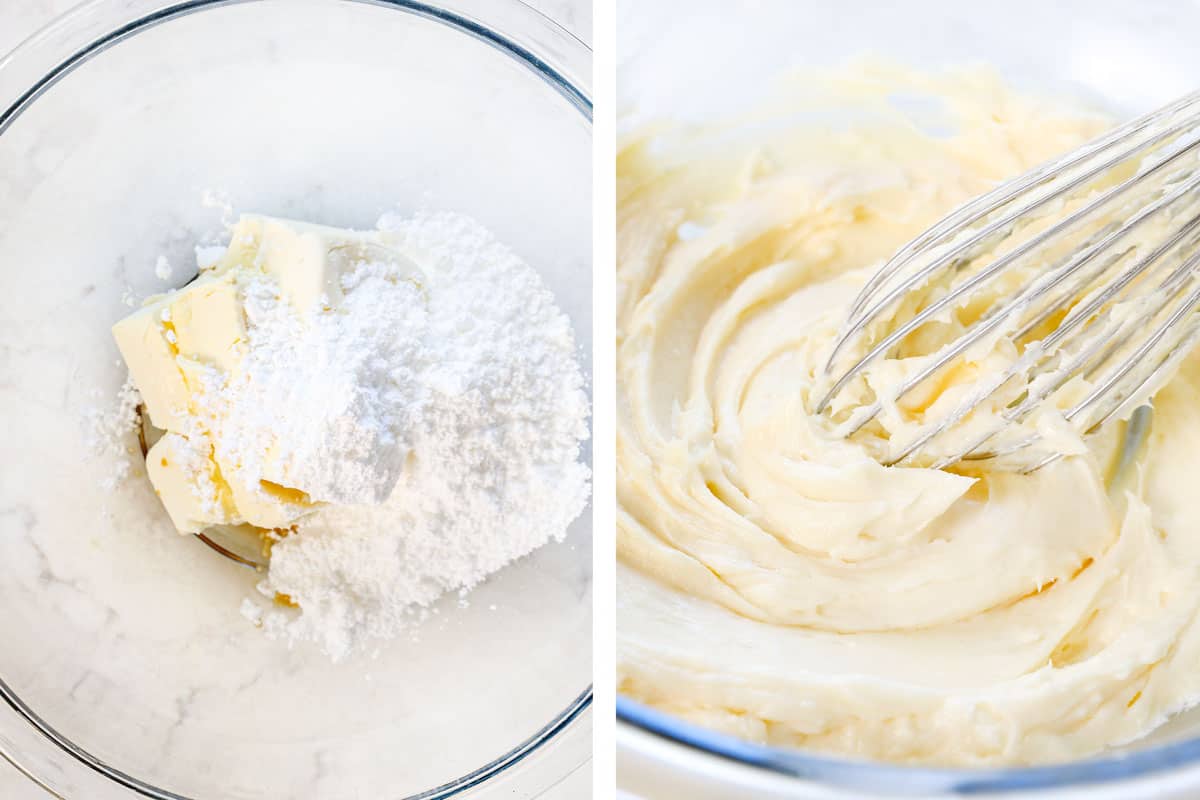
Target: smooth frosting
<point x="779" y="584"/>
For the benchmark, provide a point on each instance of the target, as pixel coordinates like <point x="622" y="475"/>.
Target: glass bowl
<point x="1126" y="58"/>
<point x="127" y="669"/>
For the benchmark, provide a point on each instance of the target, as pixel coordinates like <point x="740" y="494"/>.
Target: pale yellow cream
<point x="779" y="584"/>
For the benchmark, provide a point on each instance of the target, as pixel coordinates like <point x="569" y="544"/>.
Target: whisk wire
<point x="986" y="204"/>
<point x="1008" y="259"/>
<point x="1073" y="300"/>
<point x="1006" y="194"/>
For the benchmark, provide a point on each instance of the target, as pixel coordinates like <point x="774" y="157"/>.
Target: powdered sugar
<point x="108" y="432"/>
<point x="490" y="405"/>
<point x="163" y="269"/>
<point x="324" y="401"/>
<point x="437" y="411"/>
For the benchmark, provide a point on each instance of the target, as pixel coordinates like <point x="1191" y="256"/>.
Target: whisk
<point x="1110" y="237"/>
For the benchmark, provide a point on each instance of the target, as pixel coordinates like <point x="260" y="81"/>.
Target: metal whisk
<point x="1110" y="237"/>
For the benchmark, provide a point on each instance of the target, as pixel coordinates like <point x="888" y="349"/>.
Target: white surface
<point x="1129" y="57"/>
<point x="21" y="18"/>
<point x="18" y="19"/>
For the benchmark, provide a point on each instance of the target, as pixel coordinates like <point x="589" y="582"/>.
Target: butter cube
<point x="266" y="505"/>
<point x="182" y="349"/>
<point x="209" y="321"/>
<point x="142" y="338"/>
<point x="308" y="260"/>
<point x="203" y="380"/>
<point x="189" y="483"/>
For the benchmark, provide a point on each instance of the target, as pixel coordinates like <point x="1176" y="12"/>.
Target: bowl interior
<point x="1127" y="59"/>
<point x="127" y="638"/>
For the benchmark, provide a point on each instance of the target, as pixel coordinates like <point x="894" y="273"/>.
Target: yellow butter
<point x="150" y="357"/>
<point x="265" y="505"/>
<point x="209" y="321"/>
<point x="189" y="484"/>
<point x="308" y="260"/>
<point x="181" y="347"/>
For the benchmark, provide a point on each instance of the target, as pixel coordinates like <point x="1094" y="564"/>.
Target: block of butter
<point x="180" y="345"/>
<point x="308" y="260"/>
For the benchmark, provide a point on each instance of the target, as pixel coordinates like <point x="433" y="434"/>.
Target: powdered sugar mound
<point x="496" y="411"/>
<point x="325" y="400"/>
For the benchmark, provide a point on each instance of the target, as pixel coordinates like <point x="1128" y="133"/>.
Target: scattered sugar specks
<point x="109" y="431"/>
<point x="162" y="268"/>
<point x="208" y="255"/>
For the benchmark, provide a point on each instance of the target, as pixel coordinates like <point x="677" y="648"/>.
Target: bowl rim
<point x="571" y="80"/>
<point x="555" y="55"/>
<point x="902" y="780"/>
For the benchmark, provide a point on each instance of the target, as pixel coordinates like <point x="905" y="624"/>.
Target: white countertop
<point x="18" y="19"/>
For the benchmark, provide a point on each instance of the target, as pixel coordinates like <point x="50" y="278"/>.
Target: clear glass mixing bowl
<point x="1125" y="57"/>
<point x="126" y="667"/>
